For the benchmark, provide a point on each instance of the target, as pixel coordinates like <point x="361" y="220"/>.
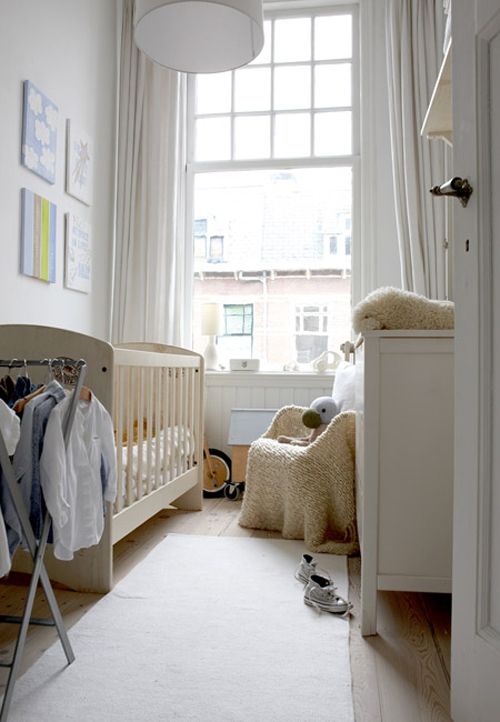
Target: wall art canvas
<point x="38" y="236"/>
<point x="78" y="254"/>
<point x="79" y="164"/>
<point x="39" y="132"/>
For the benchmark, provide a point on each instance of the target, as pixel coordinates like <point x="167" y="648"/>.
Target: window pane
<point x="213" y="139"/>
<point x="213" y="93"/>
<point x="332" y="133"/>
<point x="216" y="249"/>
<point x="292" y="135"/>
<point x="310" y="347"/>
<point x="332" y="37"/>
<point x="292" y="87"/>
<point x="292" y="40"/>
<point x="265" y="54"/>
<point x="234" y="347"/>
<point x="332" y="85"/>
<point x="252" y="137"/>
<point x="252" y="89"/>
<point x="275" y="225"/>
<point x="200" y="247"/>
<point x="234" y="324"/>
<point x="311" y="323"/>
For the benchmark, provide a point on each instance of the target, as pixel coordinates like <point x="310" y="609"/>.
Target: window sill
<point x="271" y="378"/>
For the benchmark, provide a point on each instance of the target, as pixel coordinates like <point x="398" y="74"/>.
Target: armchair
<point x="305" y="492"/>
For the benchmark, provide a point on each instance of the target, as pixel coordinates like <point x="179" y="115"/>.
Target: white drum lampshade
<point x="199" y="36"/>
<point x="211" y="326"/>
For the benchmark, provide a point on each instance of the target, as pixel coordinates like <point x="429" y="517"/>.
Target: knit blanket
<point x="304" y="492"/>
<point x="392" y="309"/>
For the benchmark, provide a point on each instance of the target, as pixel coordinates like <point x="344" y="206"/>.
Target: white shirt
<point x="4" y="548"/>
<point x="71" y="478"/>
<point x="10" y="427"/>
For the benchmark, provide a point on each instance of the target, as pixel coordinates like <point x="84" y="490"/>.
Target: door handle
<point x="458" y="187"/>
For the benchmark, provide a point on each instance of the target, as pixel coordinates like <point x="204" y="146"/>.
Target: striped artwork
<point x="38" y="236"/>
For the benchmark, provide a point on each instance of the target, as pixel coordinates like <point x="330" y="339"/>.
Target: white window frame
<point x="322" y="313"/>
<point x="281" y="9"/>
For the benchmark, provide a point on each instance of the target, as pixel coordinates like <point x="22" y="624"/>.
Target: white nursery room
<point x="249" y="347"/>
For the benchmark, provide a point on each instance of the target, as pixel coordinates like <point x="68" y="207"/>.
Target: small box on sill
<point x="244" y="364"/>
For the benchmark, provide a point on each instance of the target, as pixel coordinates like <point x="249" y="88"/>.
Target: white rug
<point x="211" y="629"/>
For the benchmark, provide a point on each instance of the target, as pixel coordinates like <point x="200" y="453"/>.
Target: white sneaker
<point x="308" y="566"/>
<point x="321" y="593"/>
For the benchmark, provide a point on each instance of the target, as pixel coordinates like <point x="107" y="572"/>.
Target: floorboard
<point x="400" y="675"/>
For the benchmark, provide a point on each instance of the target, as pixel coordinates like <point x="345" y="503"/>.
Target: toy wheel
<point x="216" y="472"/>
<point x="232" y="492"/>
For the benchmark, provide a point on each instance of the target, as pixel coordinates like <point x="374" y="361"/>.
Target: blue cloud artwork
<point x="39" y="136"/>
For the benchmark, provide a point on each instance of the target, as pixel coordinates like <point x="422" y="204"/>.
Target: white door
<point x="475" y="684"/>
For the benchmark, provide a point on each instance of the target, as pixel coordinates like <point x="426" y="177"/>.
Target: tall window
<point x="272" y="153"/>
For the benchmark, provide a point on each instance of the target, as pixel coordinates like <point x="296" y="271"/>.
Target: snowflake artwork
<point x="39" y="133"/>
<point x="79" y="164"/>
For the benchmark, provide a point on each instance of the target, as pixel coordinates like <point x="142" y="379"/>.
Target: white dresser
<point x="404" y="459"/>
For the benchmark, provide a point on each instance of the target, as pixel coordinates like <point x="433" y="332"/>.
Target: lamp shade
<point x="199" y="36"/>
<point x="211" y="322"/>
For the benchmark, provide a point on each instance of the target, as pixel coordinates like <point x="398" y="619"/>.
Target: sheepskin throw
<point x="392" y="308"/>
<point x="304" y="492"/>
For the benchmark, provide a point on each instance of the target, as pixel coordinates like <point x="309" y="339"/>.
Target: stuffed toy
<point x="317" y="417"/>
<point x="393" y="308"/>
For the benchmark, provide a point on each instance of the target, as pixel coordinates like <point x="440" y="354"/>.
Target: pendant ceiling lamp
<point x="199" y="36"/>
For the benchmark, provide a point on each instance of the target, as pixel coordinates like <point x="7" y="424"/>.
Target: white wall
<point x="67" y="48"/>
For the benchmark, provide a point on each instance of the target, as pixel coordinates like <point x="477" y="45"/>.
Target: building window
<point x="272" y="149"/>
<point x="333" y="246"/>
<point x="236" y="339"/>
<point x="216" y="253"/>
<point x="311" y="332"/>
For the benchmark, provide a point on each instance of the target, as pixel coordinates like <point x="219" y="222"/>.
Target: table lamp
<point x="211" y="326"/>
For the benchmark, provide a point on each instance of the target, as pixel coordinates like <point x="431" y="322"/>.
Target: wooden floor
<point x="400" y="675"/>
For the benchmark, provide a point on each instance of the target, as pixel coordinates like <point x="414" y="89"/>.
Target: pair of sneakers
<point x="320" y="592"/>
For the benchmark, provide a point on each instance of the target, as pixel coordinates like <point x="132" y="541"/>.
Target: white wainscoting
<point x="227" y="390"/>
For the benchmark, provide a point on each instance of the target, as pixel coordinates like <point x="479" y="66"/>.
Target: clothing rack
<point x="36" y="548"/>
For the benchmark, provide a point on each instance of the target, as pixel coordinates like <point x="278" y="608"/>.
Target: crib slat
<point x="185" y="420"/>
<point x="139" y="416"/>
<point x="171" y="421"/>
<point x="149" y="373"/>
<point x="192" y="417"/>
<point x="157" y="422"/>
<point x="199" y="412"/>
<point x="179" y="421"/>
<point x="129" y="406"/>
<point x="189" y="426"/>
<point x="118" y="424"/>
<point x="164" y="423"/>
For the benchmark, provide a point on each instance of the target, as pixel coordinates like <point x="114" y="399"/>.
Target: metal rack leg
<point x="39" y="572"/>
<point x="37" y="551"/>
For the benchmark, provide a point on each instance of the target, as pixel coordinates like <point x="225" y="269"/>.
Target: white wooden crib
<point x="154" y="393"/>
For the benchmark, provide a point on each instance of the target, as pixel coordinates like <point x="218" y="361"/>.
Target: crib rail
<point x="157" y="414"/>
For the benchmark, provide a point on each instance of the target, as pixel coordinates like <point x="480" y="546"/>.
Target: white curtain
<point x="153" y="261"/>
<point x="414" y="34"/>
